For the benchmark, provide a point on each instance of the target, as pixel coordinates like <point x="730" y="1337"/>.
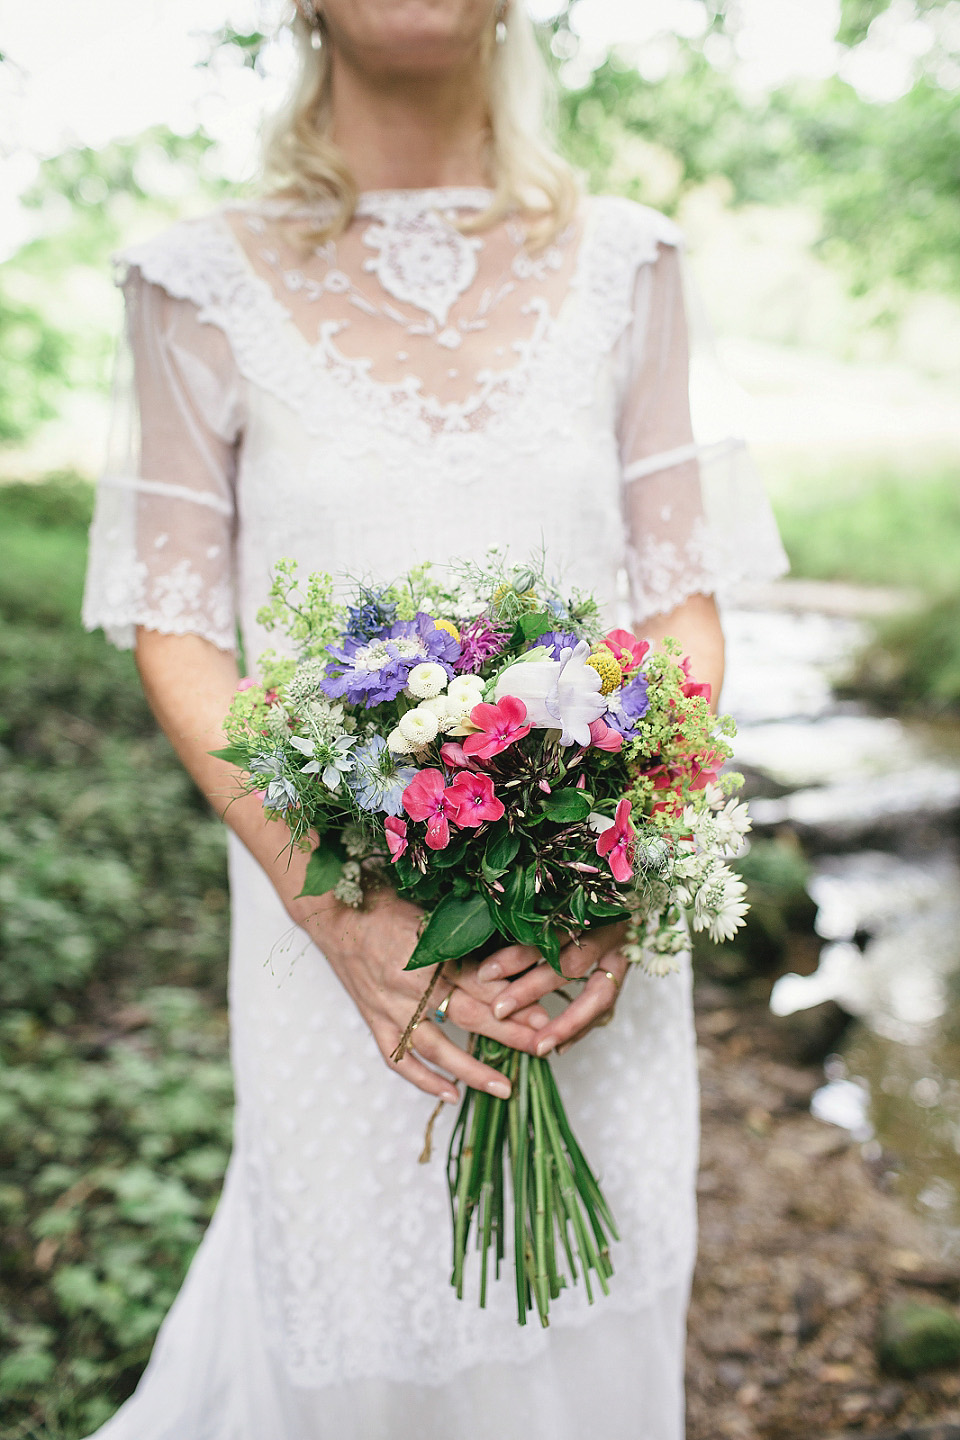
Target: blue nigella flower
<point x="371" y="616"/>
<point x="280" y="793"/>
<point x="378" y="782"/>
<point x="557" y="640"/>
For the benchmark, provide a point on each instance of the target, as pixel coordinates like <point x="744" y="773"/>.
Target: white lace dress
<point x="408" y="393"/>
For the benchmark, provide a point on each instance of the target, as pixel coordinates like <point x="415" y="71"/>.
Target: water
<point x="875" y="802"/>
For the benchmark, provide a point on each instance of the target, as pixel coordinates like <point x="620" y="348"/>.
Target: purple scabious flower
<point x="557" y="640"/>
<point x="369" y="672"/>
<point x="479" y="642"/>
<point x="631" y="703"/>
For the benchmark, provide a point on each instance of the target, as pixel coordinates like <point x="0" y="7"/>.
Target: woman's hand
<point x="368" y="949"/>
<point x="597" y="955"/>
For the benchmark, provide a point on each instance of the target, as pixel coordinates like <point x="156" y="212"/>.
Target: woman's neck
<point x="410" y="131"/>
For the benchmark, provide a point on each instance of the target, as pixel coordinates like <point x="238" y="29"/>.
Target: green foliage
<point x="874" y="526"/>
<point x="113" y="1151"/>
<point x="34" y="371"/>
<point x="114" y="1092"/>
<point x="456" y="928"/>
<point x="914" y="659"/>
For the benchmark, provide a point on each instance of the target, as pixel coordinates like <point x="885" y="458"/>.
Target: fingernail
<point x="546" y="1046"/>
<point x="450" y="1096"/>
<point x="504" y="1007"/>
<point x="500" y="1088"/>
<point x="538" y="1020"/>
<point x="490" y="970"/>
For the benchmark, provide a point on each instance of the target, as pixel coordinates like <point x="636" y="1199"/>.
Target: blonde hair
<point x="302" y="163"/>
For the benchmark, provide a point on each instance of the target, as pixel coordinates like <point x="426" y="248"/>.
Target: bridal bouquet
<point x="473" y="738"/>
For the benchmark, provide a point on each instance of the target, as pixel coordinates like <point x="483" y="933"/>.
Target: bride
<point x="424" y="342"/>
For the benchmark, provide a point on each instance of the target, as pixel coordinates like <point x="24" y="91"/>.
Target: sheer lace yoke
<point x="408" y="302"/>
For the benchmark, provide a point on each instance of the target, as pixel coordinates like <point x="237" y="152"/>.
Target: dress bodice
<point x="411" y="391"/>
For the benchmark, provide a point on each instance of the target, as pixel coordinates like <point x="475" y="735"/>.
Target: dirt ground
<point x="801" y="1248"/>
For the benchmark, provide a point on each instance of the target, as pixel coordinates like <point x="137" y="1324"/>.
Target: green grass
<point x="874" y="526"/>
<point x="115" y="1088"/>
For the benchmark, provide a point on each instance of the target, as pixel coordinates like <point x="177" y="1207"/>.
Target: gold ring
<point x="440" y="1014"/>
<point x="610" y="976"/>
<point x="605" y="1018"/>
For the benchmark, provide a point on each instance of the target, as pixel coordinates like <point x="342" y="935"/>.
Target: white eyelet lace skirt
<point x="318" y="1306"/>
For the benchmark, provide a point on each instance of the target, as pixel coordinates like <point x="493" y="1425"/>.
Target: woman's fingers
<point x="487" y="993"/>
<point x="511" y="960"/>
<point x="416" y="1072"/>
<point x="476" y="1017"/>
<point x="595" y="1001"/>
<point x="576" y="960"/>
<point x="434" y="1046"/>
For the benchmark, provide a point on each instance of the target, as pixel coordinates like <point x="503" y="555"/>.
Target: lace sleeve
<point x="161" y="543"/>
<point x="698" y="520"/>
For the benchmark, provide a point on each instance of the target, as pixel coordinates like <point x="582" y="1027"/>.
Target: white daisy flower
<point x="426" y="680"/>
<point x="398" y="744"/>
<point x="420" y="726"/>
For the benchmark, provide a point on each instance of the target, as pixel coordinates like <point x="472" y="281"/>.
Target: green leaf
<point x="550" y="948"/>
<point x="500" y="853"/>
<point x="578" y="906"/>
<point x="324" y="869"/>
<point x="454" y="929"/>
<point x="535" y="625"/>
<point x="602" y="910"/>
<point x="232" y="754"/>
<point x="525" y="929"/>
<point x="567" y="805"/>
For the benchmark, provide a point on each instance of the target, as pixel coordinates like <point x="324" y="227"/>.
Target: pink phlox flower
<point x="545" y="787"/>
<point x="455" y="757"/>
<point x="603" y="737"/>
<point x="426" y="798"/>
<point x="271" y="697"/>
<point x="475" y="799"/>
<point x="581" y="782"/>
<point x="627" y="649"/>
<point x="479" y="642"/>
<point x="246" y="683"/>
<point x="692" y="687"/>
<point x="618" y="843"/>
<point x="396" y="831"/>
<point x="499" y="725"/>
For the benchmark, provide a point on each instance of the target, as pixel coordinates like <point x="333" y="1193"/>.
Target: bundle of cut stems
<point x="561" y="1223"/>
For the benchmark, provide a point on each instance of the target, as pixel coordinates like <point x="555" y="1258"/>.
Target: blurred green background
<point x="823" y="213"/>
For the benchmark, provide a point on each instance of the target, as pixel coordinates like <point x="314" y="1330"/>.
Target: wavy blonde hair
<point x="302" y="163"/>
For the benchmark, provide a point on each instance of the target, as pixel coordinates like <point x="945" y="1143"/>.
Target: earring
<point x="501" y="30"/>
<point x="310" y="10"/>
<point x="316" y="39"/>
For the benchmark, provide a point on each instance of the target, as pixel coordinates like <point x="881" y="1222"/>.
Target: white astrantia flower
<point x="426" y="680"/>
<point x="420" y="726"/>
<point x="720" y="904"/>
<point x="721" y="831"/>
<point x="398" y="744"/>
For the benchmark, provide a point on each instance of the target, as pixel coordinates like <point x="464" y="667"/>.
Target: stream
<point x="875" y="803"/>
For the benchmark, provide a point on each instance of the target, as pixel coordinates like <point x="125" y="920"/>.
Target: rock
<point x="810" y="1035"/>
<point x="915" y="1337"/>
<point x="913" y="1270"/>
<point x="809" y="1302"/>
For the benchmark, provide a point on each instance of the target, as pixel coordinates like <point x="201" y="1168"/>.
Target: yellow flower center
<point x="607" y="667"/>
<point x="450" y="628"/>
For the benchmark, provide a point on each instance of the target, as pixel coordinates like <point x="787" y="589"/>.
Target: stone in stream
<point x="915" y="1337"/>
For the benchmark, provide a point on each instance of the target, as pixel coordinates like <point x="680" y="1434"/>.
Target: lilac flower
<point x="627" y="706"/>
<point x="556" y="640"/>
<point x="479" y="642"/>
<point x="372" y="671"/>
